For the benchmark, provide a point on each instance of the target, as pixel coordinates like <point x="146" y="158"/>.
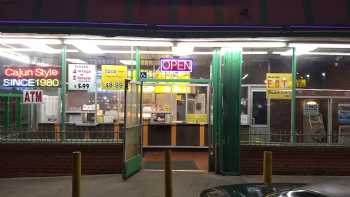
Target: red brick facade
<point x="22" y="160"/>
<point x="291" y="160"/>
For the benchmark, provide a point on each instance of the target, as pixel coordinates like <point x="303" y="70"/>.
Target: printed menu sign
<point x="113" y="77"/>
<point x="81" y="77"/>
<point x="278" y="85"/>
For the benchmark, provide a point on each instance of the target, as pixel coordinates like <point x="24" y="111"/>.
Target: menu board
<point x="113" y="77"/>
<point x="81" y="77"/>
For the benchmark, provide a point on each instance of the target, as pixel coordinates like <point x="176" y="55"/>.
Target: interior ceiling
<point x="151" y="59"/>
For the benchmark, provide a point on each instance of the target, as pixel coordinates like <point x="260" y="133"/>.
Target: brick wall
<point x="297" y="160"/>
<point x="23" y="160"/>
<point x="56" y="159"/>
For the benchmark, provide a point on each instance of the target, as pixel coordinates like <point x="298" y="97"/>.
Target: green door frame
<point x="63" y="93"/>
<point x="217" y="109"/>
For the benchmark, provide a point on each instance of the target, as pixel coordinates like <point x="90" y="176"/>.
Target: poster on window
<point x="81" y="77"/>
<point x="279" y="85"/>
<point x="113" y="77"/>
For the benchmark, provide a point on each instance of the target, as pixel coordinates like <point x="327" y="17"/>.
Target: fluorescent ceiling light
<point x="172" y="52"/>
<point x="300" y="50"/>
<point x="254" y="52"/>
<point x="119" y="52"/>
<point x="128" y="62"/>
<point x="75" y="61"/>
<point x="328" y="53"/>
<point x="42" y="48"/>
<point x="157" y="52"/>
<point x="86" y="47"/>
<point x="121" y="43"/>
<point x="15" y="56"/>
<point x="39" y="45"/>
<point x="26" y="41"/>
<point x="320" y="45"/>
<point x="234" y="44"/>
<point x="182" y="51"/>
<point x="31" y="50"/>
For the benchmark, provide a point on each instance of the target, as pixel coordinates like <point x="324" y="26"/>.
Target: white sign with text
<point x="81" y="77"/>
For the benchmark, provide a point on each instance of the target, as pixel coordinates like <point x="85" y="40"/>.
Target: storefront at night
<point x="121" y="81"/>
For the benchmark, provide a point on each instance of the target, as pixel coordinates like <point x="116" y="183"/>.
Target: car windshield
<point x="297" y="193"/>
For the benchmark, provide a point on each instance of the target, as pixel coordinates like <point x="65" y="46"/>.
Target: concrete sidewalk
<point x="145" y="184"/>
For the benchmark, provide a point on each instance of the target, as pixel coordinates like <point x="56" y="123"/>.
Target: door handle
<point x="253" y="121"/>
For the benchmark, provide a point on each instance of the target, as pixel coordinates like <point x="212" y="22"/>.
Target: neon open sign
<point x="175" y="65"/>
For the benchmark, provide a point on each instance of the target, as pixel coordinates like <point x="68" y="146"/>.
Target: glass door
<point x="132" y="128"/>
<point x="259" y="112"/>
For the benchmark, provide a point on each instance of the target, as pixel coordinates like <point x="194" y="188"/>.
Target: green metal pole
<point x="231" y="91"/>
<point x="18" y="112"/>
<point x="293" y="97"/>
<point x="214" y="163"/>
<point x="7" y="113"/>
<point x="63" y="92"/>
<point x="137" y="63"/>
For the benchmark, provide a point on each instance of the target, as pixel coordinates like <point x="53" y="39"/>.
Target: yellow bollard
<point x="267" y="171"/>
<point x="168" y="174"/>
<point x="76" y="174"/>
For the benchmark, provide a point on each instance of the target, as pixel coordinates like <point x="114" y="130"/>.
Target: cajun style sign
<point x="175" y="65"/>
<point x="32" y="96"/>
<point x="30" y="76"/>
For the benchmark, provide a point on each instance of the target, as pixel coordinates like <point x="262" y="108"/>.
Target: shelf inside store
<point x="82" y="124"/>
<point x="80" y="111"/>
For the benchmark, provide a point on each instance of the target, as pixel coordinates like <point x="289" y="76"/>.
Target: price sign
<point x="81" y="77"/>
<point x="113" y="77"/>
<point x="278" y="85"/>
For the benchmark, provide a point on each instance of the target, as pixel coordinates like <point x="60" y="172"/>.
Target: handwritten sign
<point x="113" y="77"/>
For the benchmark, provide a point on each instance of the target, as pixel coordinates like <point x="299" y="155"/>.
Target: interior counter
<point x="175" y="134"/>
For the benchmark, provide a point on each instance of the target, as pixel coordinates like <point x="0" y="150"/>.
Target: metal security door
<point x="132" y="128"/>
<point x="259" y="112"/>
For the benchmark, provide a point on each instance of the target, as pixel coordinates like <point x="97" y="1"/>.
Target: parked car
<point x="331" y="188"/>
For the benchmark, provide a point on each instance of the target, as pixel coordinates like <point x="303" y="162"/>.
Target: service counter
<point x="175" y="135"/>
<point x="84" y="131"/>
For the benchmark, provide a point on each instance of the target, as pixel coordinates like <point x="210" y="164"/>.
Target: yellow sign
<point x="178" y="97"/>
<point x="197" y="118"/>
<point x="278" y="85"/>
<point x="179" y="89"/>
<point x="172" y="75"/>
<point x="301" y="83"/>
<point x="113" y="77"/>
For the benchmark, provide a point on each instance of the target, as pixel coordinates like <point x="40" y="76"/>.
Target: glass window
<point x="323" y="85"/>
<point x="265" y="95"/>
<point x="28" y="64"/>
